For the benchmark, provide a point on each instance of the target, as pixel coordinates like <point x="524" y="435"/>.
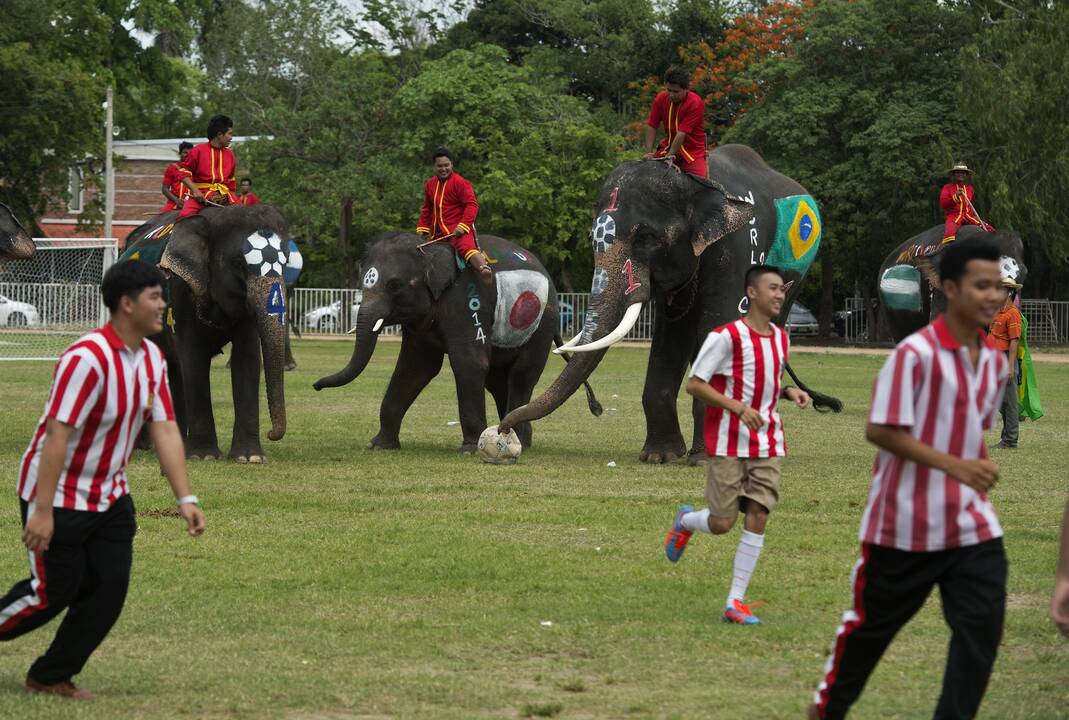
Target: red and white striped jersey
<point x="929" y="386"/>
<point x="106" y="392"/>
<point x="745" y="366"/>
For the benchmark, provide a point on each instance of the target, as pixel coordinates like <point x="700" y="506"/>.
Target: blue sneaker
<point x="740" y="614"/>
<point x="678" y="536"/>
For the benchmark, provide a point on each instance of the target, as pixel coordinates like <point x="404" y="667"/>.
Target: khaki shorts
<point x="732" y="482"/>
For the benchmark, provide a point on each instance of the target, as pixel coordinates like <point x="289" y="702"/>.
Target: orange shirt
<point x="1006" y="327"/>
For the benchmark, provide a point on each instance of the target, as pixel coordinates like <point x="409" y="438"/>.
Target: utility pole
<point x="109" y="169"/>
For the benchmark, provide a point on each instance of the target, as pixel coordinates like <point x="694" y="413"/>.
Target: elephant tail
<point x="592" y="402"/>
<point x="821" y="402"/>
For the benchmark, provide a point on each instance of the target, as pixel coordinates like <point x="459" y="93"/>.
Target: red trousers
<point x="950" y="229"/>
<point x="697" y="166"/>
<point x="192" y="206"/>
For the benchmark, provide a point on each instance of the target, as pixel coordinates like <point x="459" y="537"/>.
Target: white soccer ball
<point x="498" y="449"/>
<point x="603" y="233"/>
<point x="1009" y="268"/>
<point x="263" y="251"/>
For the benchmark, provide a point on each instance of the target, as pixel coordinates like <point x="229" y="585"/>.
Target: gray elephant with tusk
<point x="15" y="242"/>
<point x="497" y="337"/>
<point x="685" y="242"/>
<point x="225" y="284"/>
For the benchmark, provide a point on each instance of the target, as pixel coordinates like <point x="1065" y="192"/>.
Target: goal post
<point x="49" y="300"/>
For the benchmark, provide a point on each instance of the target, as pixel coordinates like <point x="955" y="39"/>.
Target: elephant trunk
<point x="368" y="324"/>
<point x="267" y="295"/>
<point x="575" y="373"/>
<point x="22" y="247"/>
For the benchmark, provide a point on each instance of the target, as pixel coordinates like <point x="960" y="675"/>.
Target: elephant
<point x="686" y="243"/>
<point x="224" y="271"/>
<point x="497" y="336"/>
<point x="908" y="280"/>
<point x="15" y="242"/>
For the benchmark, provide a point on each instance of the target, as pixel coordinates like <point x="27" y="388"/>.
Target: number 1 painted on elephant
<point x="612" y="201"/>
<point x="632" y="286"/>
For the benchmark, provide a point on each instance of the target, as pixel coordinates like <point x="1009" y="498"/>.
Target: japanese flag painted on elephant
<point x="521" y="300"/>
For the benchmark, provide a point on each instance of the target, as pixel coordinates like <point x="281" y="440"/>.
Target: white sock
<point x="698" y="520"/>
<point x="746" y="555"/>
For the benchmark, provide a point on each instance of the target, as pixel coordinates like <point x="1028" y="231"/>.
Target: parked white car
<point x="326" y="319"/>
<point x="17" y="314"/>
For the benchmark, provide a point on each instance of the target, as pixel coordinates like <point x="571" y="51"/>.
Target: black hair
<point x="248" y="180"/>
<point x="128" y="279"/>
<point x="185" y="145"/>
<point x="756" y="272"/>
<point x="218" y="124"/>
<point x="442" y="152"/>
<point x="677" y="75"/>
<point x="957" y="255"/>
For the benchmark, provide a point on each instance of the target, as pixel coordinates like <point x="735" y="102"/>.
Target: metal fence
<point x="333" y="311"/>
<point x="1048" y="321"/>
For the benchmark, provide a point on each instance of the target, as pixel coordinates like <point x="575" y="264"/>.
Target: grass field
<point x="336" y="583"/>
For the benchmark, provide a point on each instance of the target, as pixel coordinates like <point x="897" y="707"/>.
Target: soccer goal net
<point x="51" y="299"/>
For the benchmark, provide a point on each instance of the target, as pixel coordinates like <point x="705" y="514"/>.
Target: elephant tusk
<point x="378" y="326"/>
<point x="571" y="343"/>
<point x="628" y="322"/>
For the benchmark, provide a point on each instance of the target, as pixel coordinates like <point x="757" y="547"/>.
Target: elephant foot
<point x="697" y="457"/>
<point x="468" y="448"/>
<point x="250" y="459"/>
<point x="380" y="443"/>
<point x="207" y="455"/>
<point x="289" y="366"/>
<point x="656" y="453"/>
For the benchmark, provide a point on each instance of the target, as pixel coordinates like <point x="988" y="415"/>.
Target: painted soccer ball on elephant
<point x="263" y="252"/>
<point x="498" y="449"/>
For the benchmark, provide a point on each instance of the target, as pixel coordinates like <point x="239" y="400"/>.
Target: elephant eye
<point x="394" y="285"/>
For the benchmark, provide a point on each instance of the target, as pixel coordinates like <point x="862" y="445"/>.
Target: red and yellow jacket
<point x="688" y="117"/>
<point x="172" y="178"/>
<point x="212" y="169"/>
<point x="955" y="208"/>
<point x="447" y="205"/>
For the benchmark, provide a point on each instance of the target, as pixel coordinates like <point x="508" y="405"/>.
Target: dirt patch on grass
<point x="157" y="513"/>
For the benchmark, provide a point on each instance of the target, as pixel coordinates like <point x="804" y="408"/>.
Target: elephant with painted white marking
<point x="907" y="295"/>
<point x="497" y="336"/>
<point x="225" y="271"/>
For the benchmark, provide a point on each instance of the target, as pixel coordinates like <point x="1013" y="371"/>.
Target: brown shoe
<point x="64" y="688"/>
<point x="1002" y="446"/>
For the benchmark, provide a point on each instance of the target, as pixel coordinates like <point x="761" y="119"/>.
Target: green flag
<point x="1025" y="376"/>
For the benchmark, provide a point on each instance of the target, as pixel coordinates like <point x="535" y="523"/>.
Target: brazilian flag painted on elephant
<point x="1027" y="390"/>
<point x="797" y="234"/>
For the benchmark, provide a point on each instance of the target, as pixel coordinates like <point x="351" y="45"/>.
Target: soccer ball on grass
<point x="498" y="449"/>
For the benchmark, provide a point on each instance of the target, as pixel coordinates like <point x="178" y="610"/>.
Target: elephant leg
<point x="245" y="367"/>
<point x="523" y="376"/>
<point x="470" y="365"/>
<point x="201" y="440"/>
<point x="670" y="353"/>
<point x="497" y="383"/>
<point x="417" y="365"/>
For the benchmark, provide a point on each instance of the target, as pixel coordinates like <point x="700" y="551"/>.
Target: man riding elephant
<point x="956" y="199"/>
<point x="208" y="169"/>
<point x="686" y="243"/>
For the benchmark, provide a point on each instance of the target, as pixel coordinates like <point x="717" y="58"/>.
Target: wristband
<point x="187" y="499"/>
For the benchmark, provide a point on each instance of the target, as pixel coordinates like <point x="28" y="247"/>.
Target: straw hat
<point x="961" y="167"/>
<point x="1011" y="283"/>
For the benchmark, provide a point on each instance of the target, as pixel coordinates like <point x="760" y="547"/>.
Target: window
<point x="74" y="204"/>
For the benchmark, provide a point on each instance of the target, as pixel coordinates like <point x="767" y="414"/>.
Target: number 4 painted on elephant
<point x="632" y="286"/>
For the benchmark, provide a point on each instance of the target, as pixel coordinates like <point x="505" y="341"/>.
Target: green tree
<point x="864" y="115"/>
<point x="1014" y="102"/>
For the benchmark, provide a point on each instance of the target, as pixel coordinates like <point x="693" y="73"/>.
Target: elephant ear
<point x="187" y="255"/>
<point x="715" y="213"/>
<point x="440" y="268"/>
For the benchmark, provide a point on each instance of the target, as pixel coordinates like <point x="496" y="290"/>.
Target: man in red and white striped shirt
<point x="737" y="375"/>
<point x="78" y="518"/>
<point x="928" y="520"/>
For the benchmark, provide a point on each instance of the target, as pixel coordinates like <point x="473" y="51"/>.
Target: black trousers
<point x="890" y="586"/>
<point x="86" y="568"/>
